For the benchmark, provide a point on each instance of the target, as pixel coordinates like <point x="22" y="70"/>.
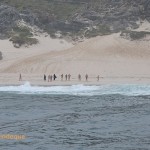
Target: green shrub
<point x="22" y="31"/>
<point x="134" y="35"/>
<point x="21" y="36"/>
<point x="23" y="40"/>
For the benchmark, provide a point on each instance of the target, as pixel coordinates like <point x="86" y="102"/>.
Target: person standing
<point x="54" y="76"/>
<point x="69" y="76"/>
<point x="44" y="77"/>
<point x="62" y="77"/>
<point x="20" y="77"/>
<point x="86" y="77"/>
<point x="49" y="78"/>
<point x="79" y="77"/>
<point x="66" y="77"/>
<point x="98" y="78"/>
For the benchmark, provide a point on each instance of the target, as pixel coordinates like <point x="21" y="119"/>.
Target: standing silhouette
<point x="66" y="77"/>
<point x="44" y="77"/>
<point x="69" y="76"/>
<point x="62" y="77"/>
<point x="49" y="78"/>
<point x="79" y="77"/>
<point x="86" y="77"/>
<point x="20" y="77"/>
<point x="54" y="76"/>
<point x="98" y="78"/>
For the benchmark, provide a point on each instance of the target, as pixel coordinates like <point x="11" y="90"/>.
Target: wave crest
<point x="127" y="89"/>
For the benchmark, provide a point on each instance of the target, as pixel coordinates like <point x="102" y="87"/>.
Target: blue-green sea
<point x="78" y="117"/>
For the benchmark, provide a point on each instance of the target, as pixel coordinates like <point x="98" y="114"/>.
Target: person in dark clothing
<point x="62" y="77"/>
<point x="54" y="76"/>
<point x="44" y="77"/>
<point x="69" y="76"/>
<point x="66" y="76"/>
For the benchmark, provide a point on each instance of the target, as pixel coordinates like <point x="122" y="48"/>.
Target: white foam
<point x="131" y="90"/>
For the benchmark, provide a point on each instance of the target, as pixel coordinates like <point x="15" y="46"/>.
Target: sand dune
<point x="12" y="55"/>
<point x="109" y="56"/>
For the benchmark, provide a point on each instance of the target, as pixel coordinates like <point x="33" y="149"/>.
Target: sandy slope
<point x="13" y="55"/>
<point x="112" y="57"/>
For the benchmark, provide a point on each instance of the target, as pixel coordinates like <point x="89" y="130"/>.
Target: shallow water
<point x="76" y="117"/>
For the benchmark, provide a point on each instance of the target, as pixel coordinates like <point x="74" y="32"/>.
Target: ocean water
<point x="106" y="117"/>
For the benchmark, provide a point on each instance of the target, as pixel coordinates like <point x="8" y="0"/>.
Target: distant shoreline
<point x="114" y="59"/>
<point x="38" y="81"/>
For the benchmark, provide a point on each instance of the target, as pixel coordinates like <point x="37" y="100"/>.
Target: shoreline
<point x="34" y="80"/>
<point x="114" y="59"/>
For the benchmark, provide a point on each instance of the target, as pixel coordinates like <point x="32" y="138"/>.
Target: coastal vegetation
<point x="21" y="36"/>
<point x="134" y="35"/>
<point x="74" y="18"/>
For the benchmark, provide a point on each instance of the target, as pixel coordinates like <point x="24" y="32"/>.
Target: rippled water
<point x="82" y="118"/>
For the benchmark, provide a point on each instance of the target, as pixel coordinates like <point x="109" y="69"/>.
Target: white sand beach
<point x="115" y="59"/>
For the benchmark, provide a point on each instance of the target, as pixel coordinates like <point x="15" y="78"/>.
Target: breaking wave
<point x="124" y="89"/>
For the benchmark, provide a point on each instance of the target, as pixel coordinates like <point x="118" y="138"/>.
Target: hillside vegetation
<point x="74" y="18"/>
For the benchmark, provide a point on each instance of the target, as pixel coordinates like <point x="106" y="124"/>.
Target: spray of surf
<point x="126" y="89"/>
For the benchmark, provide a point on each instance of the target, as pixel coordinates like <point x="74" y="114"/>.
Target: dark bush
<point x="134" y="35"/>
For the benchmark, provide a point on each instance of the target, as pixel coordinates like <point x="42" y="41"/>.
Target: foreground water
<point x="114" y="117"/>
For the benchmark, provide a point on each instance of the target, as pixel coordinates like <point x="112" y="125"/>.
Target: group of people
<point x="66" y="77"/>
<point x="50" y="77"/>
